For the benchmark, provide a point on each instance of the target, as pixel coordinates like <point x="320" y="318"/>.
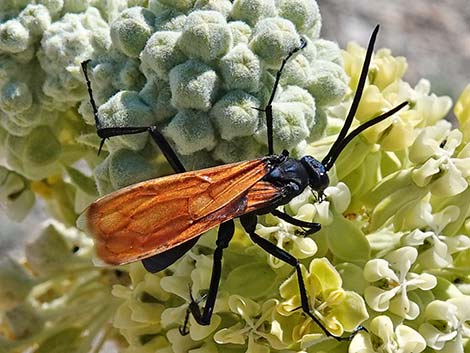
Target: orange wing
<point x="155" y="215"/>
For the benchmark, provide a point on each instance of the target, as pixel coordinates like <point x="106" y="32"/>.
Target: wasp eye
<point x="318" y="177"/>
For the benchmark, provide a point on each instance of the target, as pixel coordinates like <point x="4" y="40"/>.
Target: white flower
<point x="435" y="149"/>
<point x="435" y="250"/>
<point x="383" y="338"/>
<point x="253" y="326"/>
<point x="391" y="280"/>
<point x="446" y="324"/>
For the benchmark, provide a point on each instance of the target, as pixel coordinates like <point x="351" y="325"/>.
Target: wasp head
<point x="317" y="174"/>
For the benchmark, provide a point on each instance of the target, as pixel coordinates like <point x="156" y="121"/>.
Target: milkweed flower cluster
<point x="393" y="251"/>
<point x="392" y="254"/>
<point x="55" y="300"/>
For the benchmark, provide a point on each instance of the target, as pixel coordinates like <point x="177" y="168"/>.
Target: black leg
<point x="203" y="317"/>
<point x="90" y="93"/>
<point x="269" y="108"/>
<point x="311" y="227"/>
<point x="105" y="133"/>
<point x="163" y="260"/>
<point x="166" y="149"/>
<point x="248" y="222"/>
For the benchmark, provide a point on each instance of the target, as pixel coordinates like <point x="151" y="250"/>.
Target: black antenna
<point x="92" y="101"/>
<point x="342" y="139"/>
<point x="330" y="159"/>
<point x="356" y="99"/>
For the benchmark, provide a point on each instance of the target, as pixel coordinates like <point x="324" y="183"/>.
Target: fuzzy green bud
<point x="126" y="108"/>
<point x="297" y="71"/>
<point x="294" y="113"/>
<point x="180" y="5"/>
<point x="194" y="85"/>
<point x="305" y="14"/>
<point x="161" y="53"/>
<point x="234" y="115"/>
<point x="14" y="37"/>
<point x="167" y="19"/>
<point x="199" y="160"/>
<point x="131" y="30"/>
<point x="54" y="6"/>
<point x="294" y="94"/>
<point x="273" y="39"/>
<point x="121" y="168"/>
<point x="329" y="51"/>
<point x="251" y="11"/>
<point x="241" y="32"/>
<point x="35" y="155"/>
<point x="192" y="131"/>
<point x="238" y="149"/>
<point x="41" y="147"/>
<point x="15" y="97"/>
<point x="205" y="36"/>
<point x="241" y="69"/>
<point x="157" y="95"/>
<point x="222" y="6"/>
<point x="36" y="18"/>
<point x="86" y="33"/>
<point x="289" y="123"/>
<point x="328" y="82"/>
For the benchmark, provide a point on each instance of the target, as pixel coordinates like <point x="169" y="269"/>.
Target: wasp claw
<point x="101" y="146"/>
<point x="183" y="330"/>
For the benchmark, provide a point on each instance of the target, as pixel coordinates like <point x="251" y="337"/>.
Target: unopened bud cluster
<point x="393" y="252"/>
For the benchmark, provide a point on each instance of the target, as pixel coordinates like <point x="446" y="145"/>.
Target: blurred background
<point x="434" y="36"/>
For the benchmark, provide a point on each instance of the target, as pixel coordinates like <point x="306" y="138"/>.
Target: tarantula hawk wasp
<point x="159" y="220"/>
